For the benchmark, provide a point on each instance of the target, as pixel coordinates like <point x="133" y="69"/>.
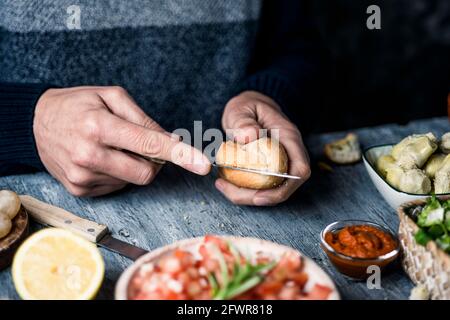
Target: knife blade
<point x="99" y="234"/>
<point x="267" y="173"/>
<point x="123" y="248"/>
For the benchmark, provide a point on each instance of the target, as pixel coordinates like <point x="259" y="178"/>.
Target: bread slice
<point x="264" y="154"/>
<point x="344" y="151"/>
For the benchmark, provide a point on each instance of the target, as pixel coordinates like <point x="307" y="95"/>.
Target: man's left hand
<point x="243" y="117"/>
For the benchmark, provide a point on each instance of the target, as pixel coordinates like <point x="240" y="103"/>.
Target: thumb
<point x="246" y="134"/>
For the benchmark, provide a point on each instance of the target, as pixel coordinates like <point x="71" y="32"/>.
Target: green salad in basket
<point x="434" y="223"/>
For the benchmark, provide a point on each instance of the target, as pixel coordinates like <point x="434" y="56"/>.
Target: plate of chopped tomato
<point x="225" y="268"/>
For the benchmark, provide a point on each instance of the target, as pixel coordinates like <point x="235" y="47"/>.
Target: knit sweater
<point x="180" y="60"/>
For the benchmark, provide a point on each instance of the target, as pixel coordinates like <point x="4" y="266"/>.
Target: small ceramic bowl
<point x="315" y="273"/>
<point x="356" y="268"/>
<point x="392" y="195"/>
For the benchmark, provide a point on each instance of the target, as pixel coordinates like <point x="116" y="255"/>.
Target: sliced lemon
<point x="55" y="264"/>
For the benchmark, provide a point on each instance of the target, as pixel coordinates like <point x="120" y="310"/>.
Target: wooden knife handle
<point x="57" y="217"/>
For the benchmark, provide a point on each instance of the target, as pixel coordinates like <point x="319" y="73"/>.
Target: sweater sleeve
<point x="287" y="54"/>
<point x="17" y="104"/>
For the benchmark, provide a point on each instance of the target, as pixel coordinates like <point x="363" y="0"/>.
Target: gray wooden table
<point x="181" y="205"/>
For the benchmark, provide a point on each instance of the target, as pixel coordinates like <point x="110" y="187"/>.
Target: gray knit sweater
<point x="178" y="59"/>
<point x="181" y="60"/>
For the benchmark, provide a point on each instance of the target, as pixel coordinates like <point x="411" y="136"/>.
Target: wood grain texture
<point x="47" y="214"/>
<point x="181" y="205"/>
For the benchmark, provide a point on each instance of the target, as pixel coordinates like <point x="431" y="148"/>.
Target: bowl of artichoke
<point x="413" y="169"/>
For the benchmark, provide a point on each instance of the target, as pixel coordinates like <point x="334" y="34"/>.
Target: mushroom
<point x="5" y="225"/>
<point x="9" y="203"/>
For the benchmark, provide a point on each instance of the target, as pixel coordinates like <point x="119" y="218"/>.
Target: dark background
<point x="370" y="77"/>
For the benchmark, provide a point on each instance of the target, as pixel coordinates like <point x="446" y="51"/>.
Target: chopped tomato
<point x="180" y="275"/>
<point x="318" y="292"/>
<point x="220" y="243"/>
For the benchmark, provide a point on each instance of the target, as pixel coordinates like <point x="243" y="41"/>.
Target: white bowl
<point x="315" y="273"/>
<point x="392" y="195"/>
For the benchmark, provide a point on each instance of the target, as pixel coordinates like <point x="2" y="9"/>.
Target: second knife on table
<point x="99" y="234"/>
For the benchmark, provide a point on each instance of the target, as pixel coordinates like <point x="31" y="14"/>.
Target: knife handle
<point x="57" y="217"/>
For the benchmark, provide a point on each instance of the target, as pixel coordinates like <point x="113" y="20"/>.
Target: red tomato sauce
<point x="361" y="241"/>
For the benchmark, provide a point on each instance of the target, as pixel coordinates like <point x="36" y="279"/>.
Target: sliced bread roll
<point x="344" y="151"/>
<point x="264" y="154"/>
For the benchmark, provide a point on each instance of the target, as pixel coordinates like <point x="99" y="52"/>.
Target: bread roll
<point x="263" y="154"/>
<point x="344" y="151"/>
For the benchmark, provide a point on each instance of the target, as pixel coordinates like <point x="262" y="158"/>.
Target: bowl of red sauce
<point x="354" y="246"/>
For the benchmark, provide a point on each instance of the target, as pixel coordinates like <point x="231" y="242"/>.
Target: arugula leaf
<point x="422" y="237"/>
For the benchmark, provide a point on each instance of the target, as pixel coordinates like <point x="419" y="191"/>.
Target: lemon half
<point x="55" y="264"/>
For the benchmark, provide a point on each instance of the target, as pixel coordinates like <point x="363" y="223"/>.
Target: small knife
<point x="99" y="234"/>
<point x="267" y="173"/>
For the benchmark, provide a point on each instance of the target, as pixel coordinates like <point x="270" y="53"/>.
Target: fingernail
<point x="261" y="201"/>
<point x="201" y="169"/>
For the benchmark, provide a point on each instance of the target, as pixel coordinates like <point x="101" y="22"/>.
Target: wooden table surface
<point x="180" y="205"/>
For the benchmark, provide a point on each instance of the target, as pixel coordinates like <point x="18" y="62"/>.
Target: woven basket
<point x="428" y="266"/>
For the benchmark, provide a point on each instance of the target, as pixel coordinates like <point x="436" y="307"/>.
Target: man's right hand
<point x="89" y="138"/>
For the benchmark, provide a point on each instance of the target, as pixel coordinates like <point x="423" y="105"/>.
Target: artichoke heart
<point x="434" y="164"/>
<point x="384" y="163"/>
<point x="408" y="180"/>
<point x="414" y="151"/>
<point x="442" y="177"/>
<point x="445" y="143"/>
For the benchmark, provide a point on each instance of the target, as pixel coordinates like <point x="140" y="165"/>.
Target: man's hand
<point x="244" y="115"/>
<point x="89" y="138"/>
